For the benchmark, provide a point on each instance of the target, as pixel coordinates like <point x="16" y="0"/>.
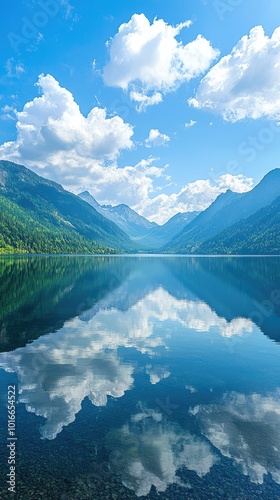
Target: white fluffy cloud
<point x="245" y="83"/>
<point x="156" y="138"/>
<point x="55" y="140"/>
<point x="132" y="185"/>
<point x="194" y="196"/>
<point x="147" y="60"/>
<point x="52" y="130"/>
<point x="135" y="186"/>
<point x="143" y="101"/>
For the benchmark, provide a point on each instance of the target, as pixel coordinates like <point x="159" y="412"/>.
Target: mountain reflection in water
<point x="186" y="331"/>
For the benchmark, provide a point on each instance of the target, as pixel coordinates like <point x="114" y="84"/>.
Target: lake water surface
<point x="152" y="377"/>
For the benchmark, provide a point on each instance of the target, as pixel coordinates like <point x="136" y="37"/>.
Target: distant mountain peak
<point x="123" y="205"/>
<point x="122" y="208"/>
<point x="85" y="192"/>
<point x="86" y="196"/>
<point x="122" y="215"/>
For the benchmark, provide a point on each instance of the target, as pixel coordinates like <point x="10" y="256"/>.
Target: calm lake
<point x="152" y="377"/>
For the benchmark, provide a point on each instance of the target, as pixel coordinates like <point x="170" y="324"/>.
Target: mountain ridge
<point x="149" y="235"/>
<point x="60" y="216"/>
<point x="251" y="235"/>
<point x="126" y="218"/>
<point x="225" y="211"/>
<point x="40" y="216"/>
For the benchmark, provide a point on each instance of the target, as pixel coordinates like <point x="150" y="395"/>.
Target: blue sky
<point x="215" y="121"/>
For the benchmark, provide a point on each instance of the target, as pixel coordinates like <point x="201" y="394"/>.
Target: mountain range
<point x="127" y="219"/>
<point x="231" y="223"/>
<point x="39" y="216"/>
<point x="148" y="235"/>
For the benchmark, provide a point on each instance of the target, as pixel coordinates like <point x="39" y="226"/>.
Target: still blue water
<point x="152" y="377"/>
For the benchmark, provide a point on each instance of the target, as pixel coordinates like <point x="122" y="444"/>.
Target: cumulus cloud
<point x="135" y="186"/>
<point x="156" y="138"/>
<point x="52" y="130"/>
<point x="148" y="61"/>
<point x="245" y="428"/>
<point x="194" y="196"/>
<point x="132" y="184"/>
<point x="55" y="140"/>
<point x="245" y="83"/>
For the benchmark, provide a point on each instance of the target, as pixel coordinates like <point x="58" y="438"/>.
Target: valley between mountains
<point x="39" y="216"/>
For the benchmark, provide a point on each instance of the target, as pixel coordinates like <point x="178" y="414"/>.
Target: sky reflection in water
<point x="187" y="328"/>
